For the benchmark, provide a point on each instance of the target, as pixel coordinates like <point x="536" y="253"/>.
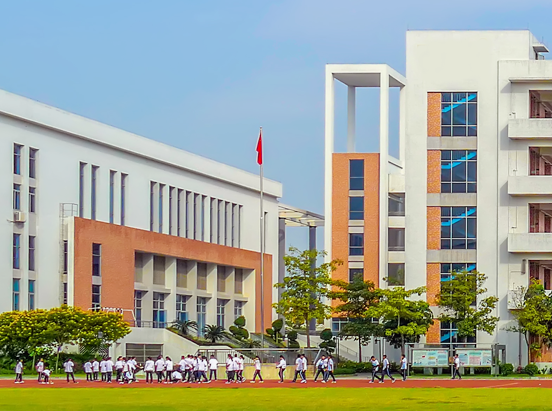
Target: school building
<point x="97" y="217"/>
<point x="471" y="185"/>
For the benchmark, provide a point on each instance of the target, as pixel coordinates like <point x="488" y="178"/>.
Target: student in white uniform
<point x="176" y="377"/>
<point x="119" y="368"/>
<point x="456" y="368"/>
<point x="182" y="367"/>
<point x="298" y="369"/>
<point x="201" y="369"/>
<point x="330" y="366"/>
<point x="190" y="368"/>
<point x="281" y="368"/>
<point x="213" y="367"/>
<point x="19" y="372"/>
<point x="230" y="369"/>
<point x="159" y="369"/>
<point x="39" y="369"/>
<point x="237" y="368"/>
<point x="386" y="369"/>
<point x="46" y="374"/>
<point x="103" y="370"/>
<point x="127" y="374"/>
<point x="375" y="370"/>
<point x="304" y="370"/>
<point x="108" y="370"/>
<point x="95" y="369"/>
<point x="149" y="369"/>
<point x="168" y="369"/>
<point x="403" y="367"/>
<point x="321" y="365"/>
<point x="241" y="365"/>
<point x="68" y="366"/>
<point x="88" y="371"/>
<point x="257" y="373"/>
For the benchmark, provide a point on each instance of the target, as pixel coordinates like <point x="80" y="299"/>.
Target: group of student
<point x="386" y="369"/>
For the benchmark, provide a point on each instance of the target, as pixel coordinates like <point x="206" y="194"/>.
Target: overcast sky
<point x="204" y="75"/>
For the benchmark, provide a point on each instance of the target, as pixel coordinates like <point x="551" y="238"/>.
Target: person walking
<point x="330" y="367"/>
<point x="404" y="366"/>
<point x="257" y="373"/>
<point x="375" y="369"/>
<point x="119" y="368"/>
<point x="281" y="368"/>
<point x="213" y="367"/>
<point x="69" y="366"/>
<point x="456" y="368"/>
<point x="230" y="369"/>
<point x="40" y="369"/>
<point x="304" y="369"/>
<point x="19" y="372"/>
<point x="298" y="368"/>
<point x="321" y="365"/>
<point x="386" y="370"/>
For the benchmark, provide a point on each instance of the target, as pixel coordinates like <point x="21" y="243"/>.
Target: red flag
<point x="260" y="148"/>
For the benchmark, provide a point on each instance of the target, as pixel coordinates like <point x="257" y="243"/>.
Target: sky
<point x="205" y="75"/>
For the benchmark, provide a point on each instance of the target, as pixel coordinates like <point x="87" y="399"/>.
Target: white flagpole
<point x="262" y="242"/>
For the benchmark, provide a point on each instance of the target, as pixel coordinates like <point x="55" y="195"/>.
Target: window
<point x="32" y="239"/>
<point x="16" y="251"/>
<point x="32" y="199"/>
<point x="96" y="260"/>
<point x="159" y="313"/>
<point x="201" y="314"/>
<point x="181" y="307"/>
<point x="171" y="192"/>
<point x="458" y="114"/>
<point x="65" y="293"/>
<point x="448" y="269"/>
<point x="17" y="196"/>
<point x="227" y="224"/>
<point x="32" y="162"/>
<point x="138" y="307"/>
<point x="338" y="323"/>
<point x="182" y="273"/>
<point x="123" y="198"/>
<point x="458" y="171"/>
<point x="31" y="294"/>
<point x="238" y="309"/>
<point x="458" y="228"/>
<point x="395" y="240"/>
<point x="221" y="304"/>
<point x="65" y="256"/>
<point x="356" y="174"/>
<point x="238" y="281"/>
<point x="15" y="294"/>
<point x="396" y="205"/>
<point x="449" y="334"/>
<point x="152" y="207"/>
<point x="354" y="272"/>
<point x="161" y="201"/>
<point x="96" y="297"/>
<point x="158" y="270"/>
<point x="221" y="279"/>
<point x="138" y="267"/>
<point x="112" y="196"/>
<point x="201" y="276"/>
<point x="82" y="167"/>
<point x="93" y="192"/>
<point x="356" y="244"/>
<point x="17" y="148"/>
<point x="143" y="351"/>
<point x="356" y="208"/>
<point x="395" y="274"/>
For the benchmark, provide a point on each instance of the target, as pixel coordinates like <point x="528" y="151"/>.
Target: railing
<point x="148" y="324"/>
<point x="266" y="355"/>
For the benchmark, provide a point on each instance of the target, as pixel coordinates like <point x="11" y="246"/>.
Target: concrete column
<point x="402" y="125"/>
<point x="384" y="177"/>
<point x="147" y="279"/>
<point x="206" y="207"/>
<point x="329" y="127"/>
<point x="312" y="246"/>
<point x="214" y="220"/>
<point x="211" y="316"/>
<point x="189" y="214"/>
<point x="170" y="283"/>
<point x="281" y="253"/>
<point x="351" y="119"/>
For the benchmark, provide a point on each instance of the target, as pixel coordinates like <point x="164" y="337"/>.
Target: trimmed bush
<point x="506" y="369"/>
<point x="531" y="369"/>
<point x="292" y="335"/>
<point x="240" y="322"/>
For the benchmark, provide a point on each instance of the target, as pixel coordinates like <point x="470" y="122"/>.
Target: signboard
<point x="475" y="358"/>
<point x="430" y="358"/>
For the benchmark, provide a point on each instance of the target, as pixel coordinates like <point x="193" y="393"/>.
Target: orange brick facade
<point x="119" y="244"/>
<point x="433" y="228"/>
<point x="433" y="171"/>
<point x="434" y="114"/>
<point x="340" y="214"/>
<point x="433" y="335"/>
<point x="433" y="282"/>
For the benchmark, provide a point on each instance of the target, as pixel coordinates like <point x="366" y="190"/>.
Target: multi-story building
<point x="97" y="217"/>
<point x="472" y="187"/>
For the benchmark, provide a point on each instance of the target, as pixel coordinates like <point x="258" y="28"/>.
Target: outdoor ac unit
<point x="18" y="217"/>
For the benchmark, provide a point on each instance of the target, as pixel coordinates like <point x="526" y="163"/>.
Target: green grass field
<point x="274" y="399"/>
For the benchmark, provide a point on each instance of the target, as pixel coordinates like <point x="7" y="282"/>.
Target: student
<point x="46" y="374"/>
<point x="103" y="370"/>
<point x="257" y="373"/>
<point x="19" y="372"/>
<point x="119" y="368"/>
<point x="133" y="368"/>
<point x="127" y="374"/>
<point x="230" y="369"/>
<point x="456" y="368"/>
<point x="88" y="371"/>
<point x="168" y="369"/>
<point x="403" y="367"/>
<point x="39" y="369"/>
<point x="159" y="368"/>
<point x="321" y="366"/>
<point x="108" y="370"/>
<point x="182" y="367"/>
<point x="205" y="368"/>
<point x="304" y="370"/>
<point x="190" y="368"/>
<point x="281" y="368"/>
<point x="149" y="368"/>
<point x="237" y="369"/>
<point x="241" y="365"/>
<point x="213" y="367"/>
<point x="386" y="370"/>
<point x="201" y="369"/>
<point x="95" y="369"/>
<point x="298" y="368"/>
<point x="68" y="366"/>
<point x="329" y="370"/>
<point x="176" y="377"/>
<point x="375" y="369"/>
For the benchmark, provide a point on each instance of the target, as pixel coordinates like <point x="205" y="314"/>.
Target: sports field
<point x="290" y="398"/>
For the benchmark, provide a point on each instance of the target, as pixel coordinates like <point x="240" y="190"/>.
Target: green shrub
<point x="270" y="331"/>
<point x="482" y="370"/>
<point x="293" y="344"/>
<point x="244" y="334"/>
<point x="326" y="335"/>
<point x="357" y="367"/>
<point x="531" y="369"/>
<point x="344" y="371"/>
<point x="292" y="335"/>
<point x="277" y="325"/>
<point x="240" y="322"/>
<point x="506" y="369"/>
<point x="235" y="331"/>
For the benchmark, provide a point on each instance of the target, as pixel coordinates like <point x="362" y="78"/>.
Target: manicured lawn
<point x="274" y="399"/>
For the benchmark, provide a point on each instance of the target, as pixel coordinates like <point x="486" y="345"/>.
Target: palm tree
<point x="184" y="327"/>
<point x="214" y="333"/>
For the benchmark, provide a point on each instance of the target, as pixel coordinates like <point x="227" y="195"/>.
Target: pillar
<point x="351" y="114"/>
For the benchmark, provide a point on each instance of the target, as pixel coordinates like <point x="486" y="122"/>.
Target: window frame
<point x="32" y="162"/>
<point x="451" y="215"/>
<point x="456" y="102"/>
<point x="17" y="197"/>
<point x="32" y="253"/>
<point x="16" y="252"/>
<point x="450" y="183"/>
<point x="356" y="180"/>
<point x="17" y="152"/>
<point x="356" y="212"/>
<point x="356" y="249"/>
<point x="96" y="260"/>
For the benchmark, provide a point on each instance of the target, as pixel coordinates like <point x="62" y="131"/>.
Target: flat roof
<point x="52" y="118"/>
<point x="296" y="217"/>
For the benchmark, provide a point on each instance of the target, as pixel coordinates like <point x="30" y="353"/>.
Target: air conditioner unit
<point x="18" y="217"/>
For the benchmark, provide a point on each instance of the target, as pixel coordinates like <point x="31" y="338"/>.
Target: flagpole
<point x="262" y="246"/>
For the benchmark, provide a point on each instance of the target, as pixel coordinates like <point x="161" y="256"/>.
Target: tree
<point x="400" y="317"/>
<point x="328" y="342"/>
<point x="214" y="333"/>
<point x="305" y="288"/>
<point x="461" y="305"/>
<point x="184" y="327"/>
<point x="99" y="329"/>
<point x="276" y="331"/>
<point x="533" y="315"/>
<point x="238" y="329"/>
<point x="355" y="299"/>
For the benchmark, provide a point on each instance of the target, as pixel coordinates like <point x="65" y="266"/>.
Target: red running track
<point x="344" y="383"/>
